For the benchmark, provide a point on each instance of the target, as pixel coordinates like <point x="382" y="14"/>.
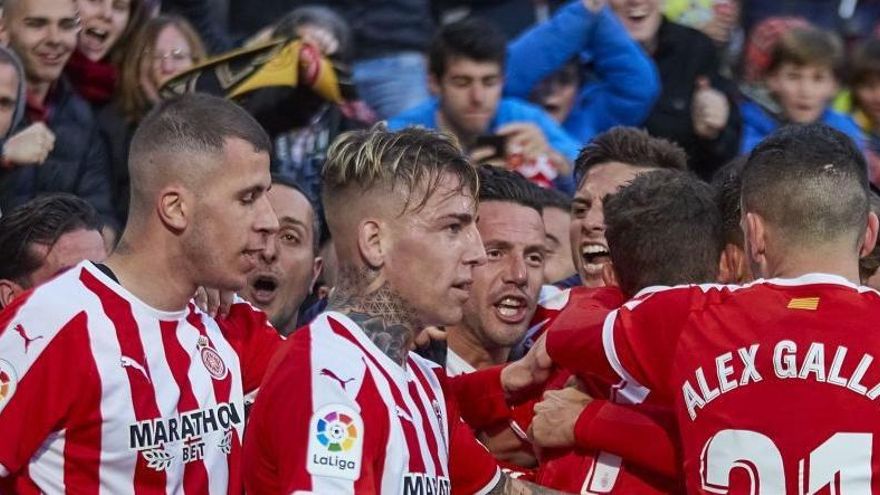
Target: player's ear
<point x="370" y="242"/>
<point x="9" y="290"/>
<point x="433" y="84"/>
<point x="870" y="238"/>
<point x="175" y="207"/>
<point x="609" y="276"/>
<point x="317" y="267"/>
<point x="755" y="232"/>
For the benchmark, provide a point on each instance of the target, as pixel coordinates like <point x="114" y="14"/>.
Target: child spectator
<point x="865" y="85"/>
<point x="802" y="79"/>
<point x="163" y="47"/>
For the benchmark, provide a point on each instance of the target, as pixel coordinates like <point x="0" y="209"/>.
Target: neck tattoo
<point x="382" y="314"/>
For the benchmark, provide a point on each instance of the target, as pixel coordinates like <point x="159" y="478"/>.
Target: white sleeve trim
<point x="630" y="390"/>
<point x="491" y="484"/>
<point x="3" y="471"/>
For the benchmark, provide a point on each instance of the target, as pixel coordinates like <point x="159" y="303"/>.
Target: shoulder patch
<point x="336" y="440"/>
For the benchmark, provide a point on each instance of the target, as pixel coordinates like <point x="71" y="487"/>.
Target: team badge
<point x="214" y="363"/>
<point x="8" y="382"/>
<point x="336" y="438"/>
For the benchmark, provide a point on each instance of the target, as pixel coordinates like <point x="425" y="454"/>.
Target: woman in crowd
<point x="164" y="47"/>
<point x="107" y="28"/>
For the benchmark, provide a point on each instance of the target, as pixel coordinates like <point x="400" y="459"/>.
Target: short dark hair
<point x="40" y="221"/>
<point x="808" y="46"/>
<point x="664" y="228"/>
<point x="498" y="184"/>
<point x="288" y="181"/>
<point x="869" y="263"/>
<point x="554" y="198"/>
<point x="810" y="182"/>
<point x="727" y="182"/>
<point x="471" y="38"/>
<point x="864" y="65"/>
<point x="191" y="123"/>
<point x="630" y="146"/>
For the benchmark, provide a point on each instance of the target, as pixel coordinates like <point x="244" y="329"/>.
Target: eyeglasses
<point x="177" y="55"/>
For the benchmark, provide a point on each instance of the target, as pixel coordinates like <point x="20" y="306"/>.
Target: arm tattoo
<point x="383" y="315"/>
<point x="509" y="486"/>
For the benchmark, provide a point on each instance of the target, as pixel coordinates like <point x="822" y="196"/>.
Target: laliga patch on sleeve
<point x="336" y="440"/>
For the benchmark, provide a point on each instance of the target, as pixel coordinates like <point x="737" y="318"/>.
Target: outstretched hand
<point x="531" y="371"/>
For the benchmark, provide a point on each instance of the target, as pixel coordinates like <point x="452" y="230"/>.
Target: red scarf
<point x="94" y="81"/>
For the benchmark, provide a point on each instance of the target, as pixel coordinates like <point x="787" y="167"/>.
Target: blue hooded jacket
<point x="627" y="80"/>
<point x="758" y="123"/>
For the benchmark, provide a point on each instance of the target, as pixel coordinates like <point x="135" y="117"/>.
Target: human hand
<point x="555" y="418"/>
<point x="526" y="138"/>
<point x="323" y="39"/>
<point x="214" y="301"/>
<point x="709" y="110"/>
<point x="531" y="370"/>
<point x="30" y="146"/>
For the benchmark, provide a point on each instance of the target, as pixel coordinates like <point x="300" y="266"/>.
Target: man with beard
<point x="289" y="266"/>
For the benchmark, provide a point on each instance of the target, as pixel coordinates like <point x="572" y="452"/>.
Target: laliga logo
<point x="337" y="432"/>
<point x="337" y="441"/>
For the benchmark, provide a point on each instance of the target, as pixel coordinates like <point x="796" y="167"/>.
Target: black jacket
<point x="682" y="55"/>
<point x="78" y="163"/>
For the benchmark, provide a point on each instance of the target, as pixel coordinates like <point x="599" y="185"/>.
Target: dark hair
<point x="663" y="229"/>
<point x="727" y="182"/>
<point x="498" y="184"/>
<point x="42" y="220"/>
<point x="864" y="66"/>
<point x="808" y="46"/>
<point x="288" y="181"/>
<point x="869" y="264"/>
<point x="630" y="146"/>
<point x="554" y="198"/>
<point x="810" y="182"/>
<point x="471" y="38"/>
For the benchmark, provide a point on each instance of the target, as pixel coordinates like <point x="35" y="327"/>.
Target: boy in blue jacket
<point x="802" y="79"/>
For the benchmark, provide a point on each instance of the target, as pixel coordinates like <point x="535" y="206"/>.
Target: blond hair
<point x="414" y="160"/>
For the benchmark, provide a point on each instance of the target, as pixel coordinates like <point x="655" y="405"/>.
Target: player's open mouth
<point x="638" y="14"/>
<point x="263" y="288"/>
<point x="511" y="309"/>
<point x="593" y="257"/>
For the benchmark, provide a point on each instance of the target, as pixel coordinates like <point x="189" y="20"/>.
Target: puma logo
<point x="128" y="362"/>
<point x="27" y="340"/>
<point x="331" y="375"/>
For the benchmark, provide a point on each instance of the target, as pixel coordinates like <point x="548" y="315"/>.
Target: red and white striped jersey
<point x="100" y="393"/>
<point x="337" y="415"/>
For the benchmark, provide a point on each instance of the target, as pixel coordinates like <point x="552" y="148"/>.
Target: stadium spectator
<point x="106" y="27"/>
<point x="717" y="19"/>
<point x="300" y="150"/>
<point x="558" y="265"/>
<point x="289" y="266"/>
<point x="864" y="81"/>
<point x="696" y="108"/>
<point x="20" y="147"/>
<point x="467" y="63"/>
<point x="397" y="204"/>
<point x="768" y="331"/>
<point x="44" y="237"/>
<point x="584" y="69"/>
<point x="43" y="33"/>
<point x="126" y="332"/>
<point x="163" y="47"/>
<point x="802" y="78"/>
<point x="611" y="160"/>
<point x="664" y="229"/>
